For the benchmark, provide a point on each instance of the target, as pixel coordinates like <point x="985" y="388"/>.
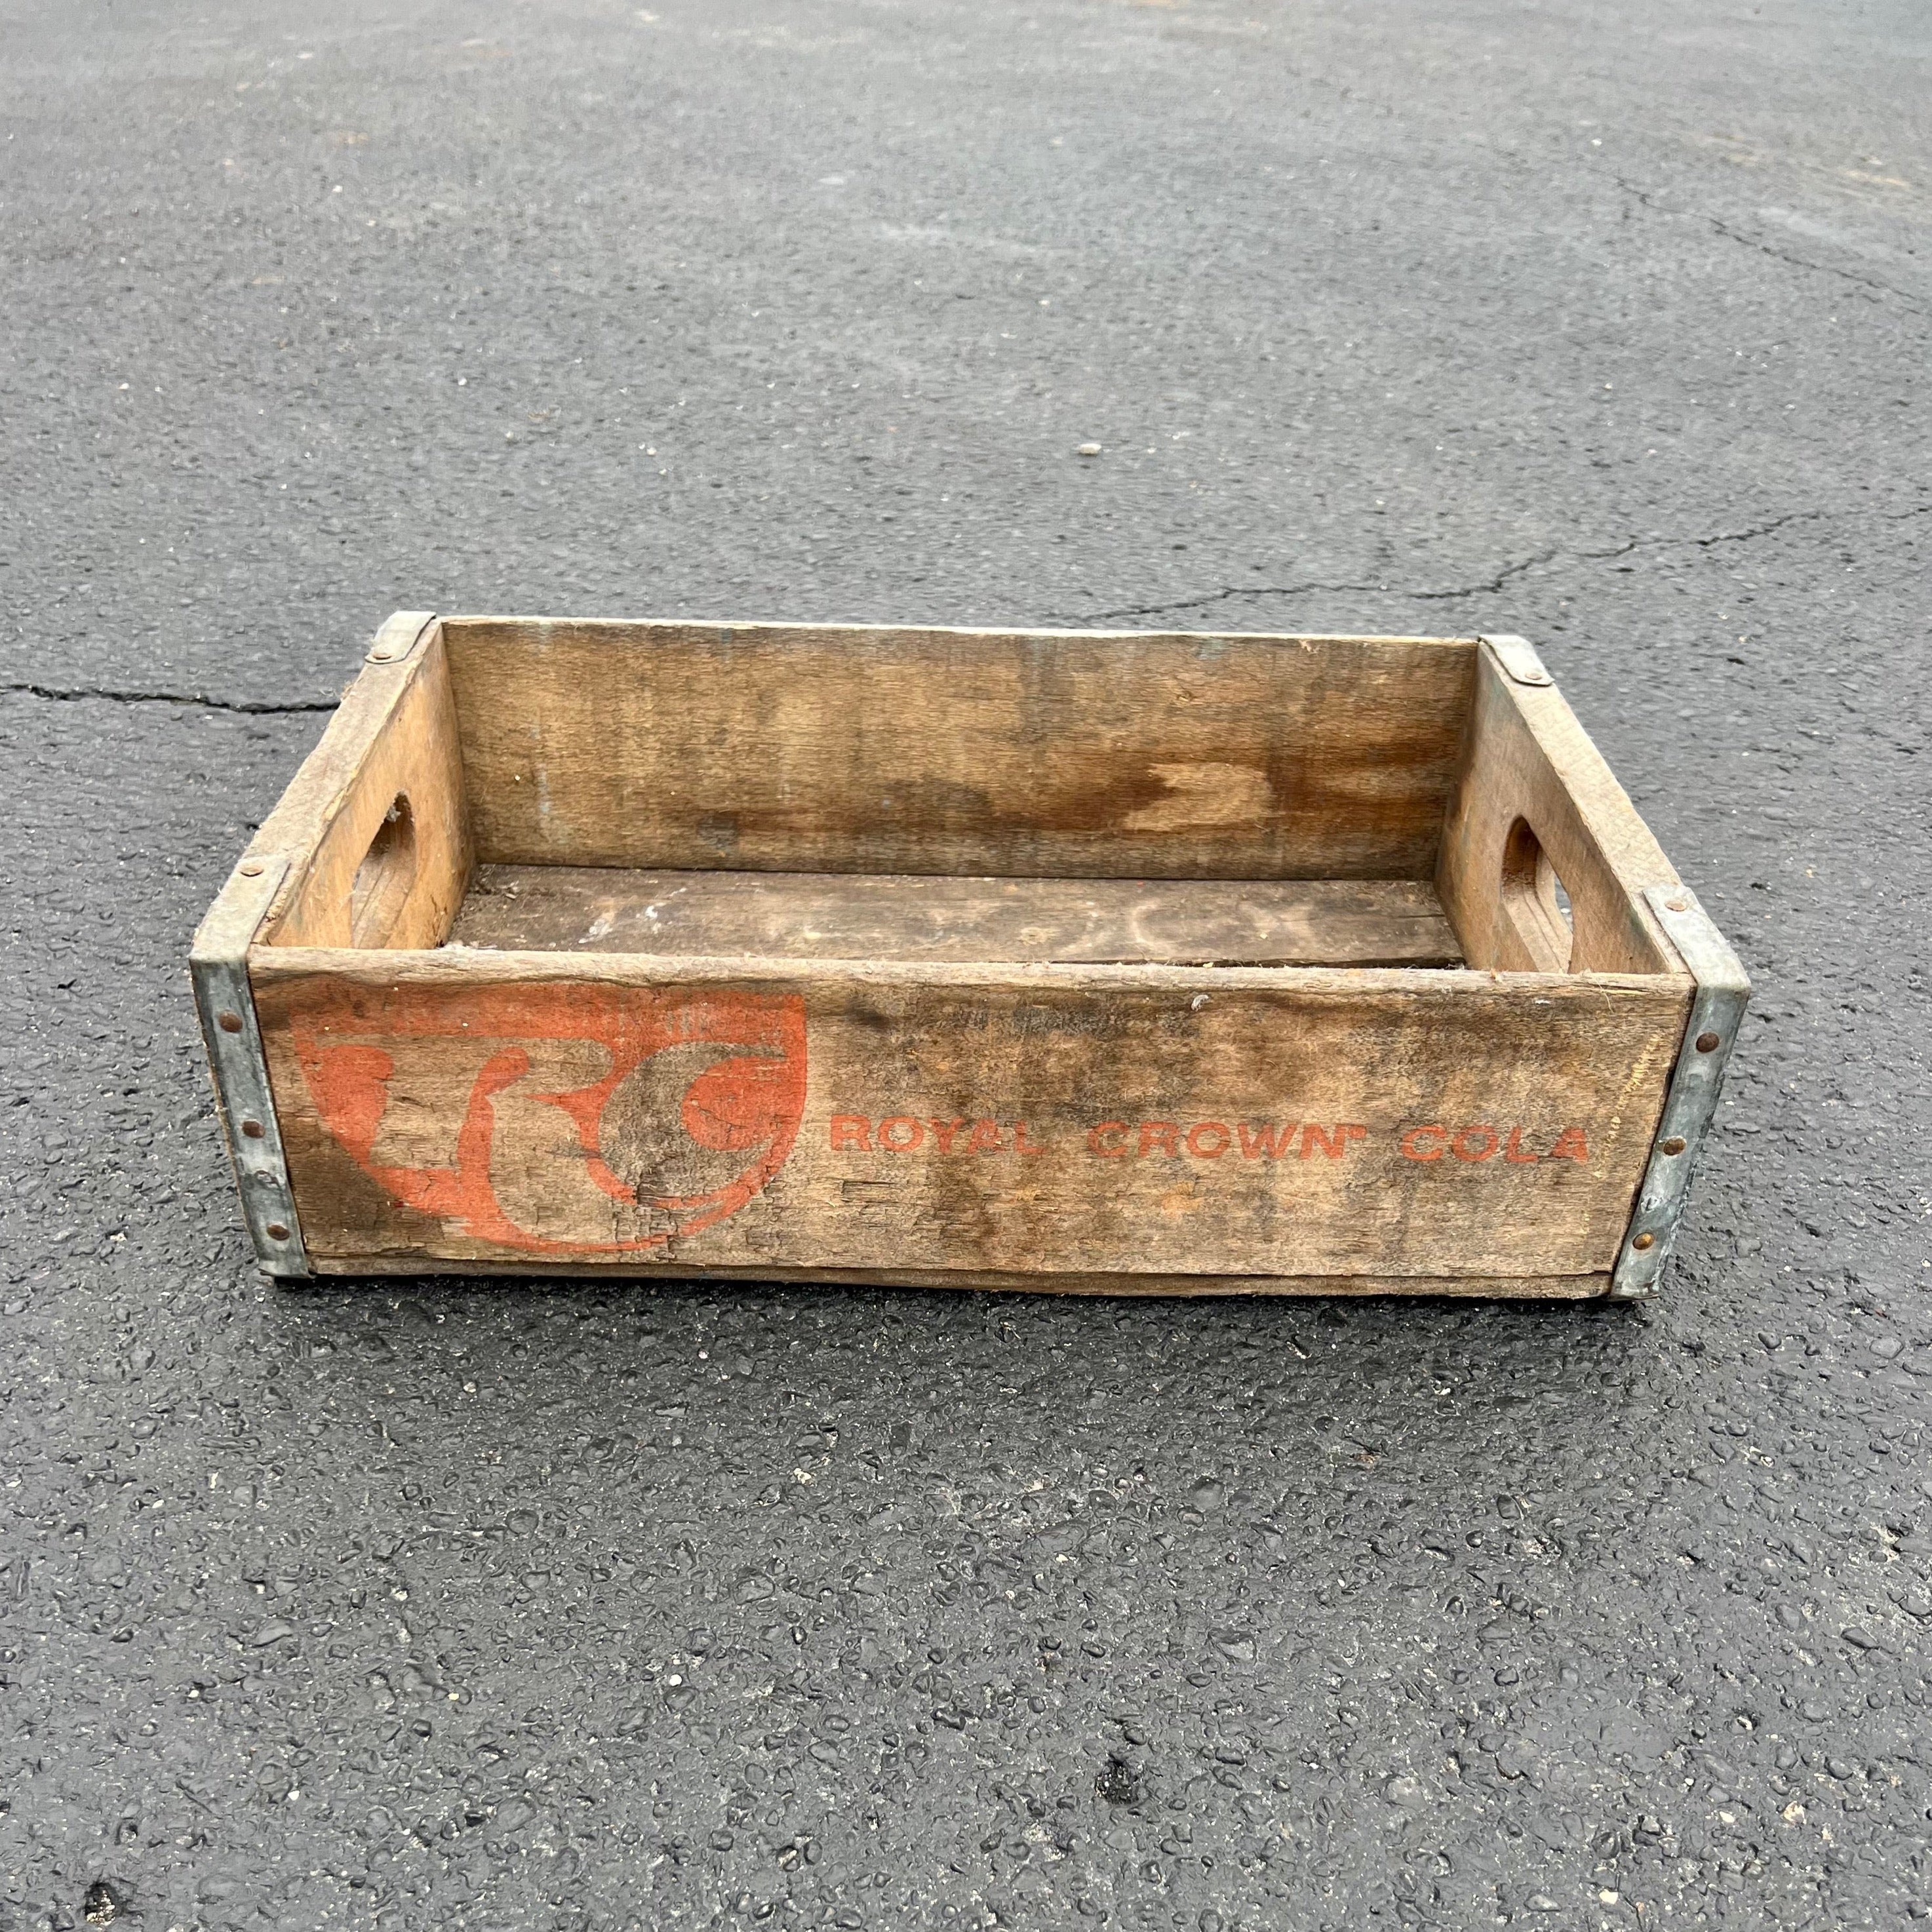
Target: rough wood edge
<point x="279" y="963"/>
<point x="646" y="626"/>
<point x="1542" y="1288"/>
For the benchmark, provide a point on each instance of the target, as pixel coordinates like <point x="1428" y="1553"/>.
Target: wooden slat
<point x="393" y="738"/>
<point x="1520" y="1287"/>
<point x="1042" y="1122"/>
<point x="1527" y="757"/>
<point x="864" y="749"/>
<point x="847" y="916"/>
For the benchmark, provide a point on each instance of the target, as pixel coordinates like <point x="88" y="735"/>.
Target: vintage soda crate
<point x="1112" y="962"/>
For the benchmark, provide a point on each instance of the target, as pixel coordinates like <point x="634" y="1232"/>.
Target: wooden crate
<point x="1107" y="961"/>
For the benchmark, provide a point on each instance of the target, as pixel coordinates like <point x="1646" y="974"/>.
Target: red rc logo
<point x="572" y="1119"/>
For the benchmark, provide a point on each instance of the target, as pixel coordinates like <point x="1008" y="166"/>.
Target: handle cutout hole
<point x="1536" y="901"/>
<point x="385" y="877"/>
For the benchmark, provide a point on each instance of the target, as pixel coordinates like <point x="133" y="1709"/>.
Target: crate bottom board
<point x="1524" y="1287"/>
<point x="864" y="915"/>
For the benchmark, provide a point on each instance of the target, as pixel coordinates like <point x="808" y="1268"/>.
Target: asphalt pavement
<point x="508" y="1605"/>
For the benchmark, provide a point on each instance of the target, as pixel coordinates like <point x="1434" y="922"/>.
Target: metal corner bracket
<point x="400" y="637"/>
<point x="218" y="966"/>
<point x="1518" y="658"/>
<point x="1717" y="1008"/>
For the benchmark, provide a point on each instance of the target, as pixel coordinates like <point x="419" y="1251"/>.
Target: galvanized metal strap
<point x="1518" y="658"/>
<point x="400" y="636"/>
<point x="218" y="965"/>
<point x="1717" y="1009"/>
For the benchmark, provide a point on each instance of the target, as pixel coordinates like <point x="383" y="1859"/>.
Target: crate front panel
<point x="1142" y="1121"/>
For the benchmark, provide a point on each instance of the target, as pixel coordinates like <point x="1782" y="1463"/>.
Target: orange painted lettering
<point x="1098" y="1139"/>
<point x="852" y="1130"/>
<point x="1209" y="1139"/>
<point x="1266" y="1139"/>
<point x="1570" y="1145"/>
<point x="1333" y="1145"/>
<point x="984" y="1138"/>
<point x="1021" y="1145"/>
<point x="1162" y="1134"/>
<point x="1513" y="1153"/>
<point x="1474" y="1143"/>
<point x="901" y="1134"/>
<point x="943" y="1132"/>
<point x="1412" y="1142"/>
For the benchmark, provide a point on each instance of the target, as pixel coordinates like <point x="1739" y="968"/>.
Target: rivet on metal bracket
<point x="1517" y="656"/>
<point x="400" y="636"/>
<point x="218" y="965"/>
<point x="1716" y="1007"/>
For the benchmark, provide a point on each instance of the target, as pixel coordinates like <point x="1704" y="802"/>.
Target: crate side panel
<point x="406" y="761"/>
<point x="794" y="748"/>
<point x="1452" y="1126"/>
<point x="1528" y="759"/>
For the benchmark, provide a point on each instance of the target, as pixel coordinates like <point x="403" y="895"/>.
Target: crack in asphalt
<point x="1489" y="586"/>
<point x="194" y="699"/>
<point x="1719" y="226"/>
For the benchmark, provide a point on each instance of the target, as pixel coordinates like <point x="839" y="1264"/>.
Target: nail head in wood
<point x="250" y="868"/>
<point x="228" y="1022"/>
<point x="276" y="1231"/>
<point x="1641" y="1241"/>
<point x="253" y="1129"/>
<point x="1709" y="1043"/>
<point x="1675" y="1144"/>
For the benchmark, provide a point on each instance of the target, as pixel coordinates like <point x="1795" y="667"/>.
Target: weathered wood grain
<point x="390" y="758"/>
<point x="1040" y="1123"/>
<point x="857" y="916"/>
<point x="867" y="749"/>
<point x="1526" y="758"/>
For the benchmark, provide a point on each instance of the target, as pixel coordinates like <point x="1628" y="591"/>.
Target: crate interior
<point x="945" y="795"/>
<point x="916" y="916"/>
